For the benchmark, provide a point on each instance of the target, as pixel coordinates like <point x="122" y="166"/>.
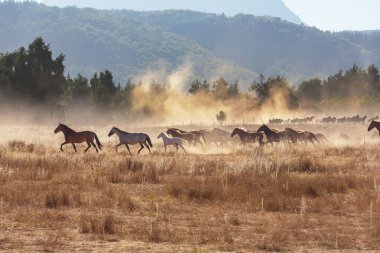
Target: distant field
<point x="245" y="199"/>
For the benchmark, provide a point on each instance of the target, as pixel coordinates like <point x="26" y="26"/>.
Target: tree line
<point x="33" y="76"/>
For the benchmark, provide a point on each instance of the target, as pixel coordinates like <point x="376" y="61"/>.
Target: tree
<point x="220" y="89"/>
<point x="310" y="90"/>
<point x="103" y="88"/>
<point x="221" y="117"/>
<point x="233" y="89"/>
<point x="279" y="85"/>
<point x="198" y="87"/>
<point x="79" y="88"/>
<point x="373" y="77"/>
<point x="32" y="74"/>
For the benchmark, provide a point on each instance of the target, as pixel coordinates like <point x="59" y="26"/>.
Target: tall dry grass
<point x="285" y="198"/>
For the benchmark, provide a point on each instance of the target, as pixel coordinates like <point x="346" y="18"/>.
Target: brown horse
<point x="300" y="136"/>
<point x="247" y="137"/>
<point x="78" y="137"/>
<point x="191" y="137"/>
<point x="275" y="136"/>
<point x="374" y="124"/>
<point x="199" y="134"/>
<point x="219" y="136"/>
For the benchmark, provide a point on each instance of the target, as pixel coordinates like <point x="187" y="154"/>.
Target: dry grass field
<point x="282" y="199"/>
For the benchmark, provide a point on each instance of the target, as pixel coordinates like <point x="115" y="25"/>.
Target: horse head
<point x="371" y="126"/>
<point x="112" y="132"/>
<point x="59" y="128"/>
<point x="170" y="131"/>
<point x="161" y="135"/>
<point x="234" y="132"/>
<point x="263" y="128"/>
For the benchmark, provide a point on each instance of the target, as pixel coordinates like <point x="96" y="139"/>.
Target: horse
<point x="199" y="134"/>
<point x="247" y="137"/>
<point x="217" y="135"/>
<point x="187" y="136"/>
<point x="78" y="137"/>
<point x="302" y="136"/>
<point x="321" y="138"/>
<point x="374" y="124"/>
<point x="309" y="119"/>
<point x="175" y="141"/>
<point x="276" y="121"/>
<point x="126" y="138"/>
<point x="328" y="120"/>
<point x="273" y="136"/>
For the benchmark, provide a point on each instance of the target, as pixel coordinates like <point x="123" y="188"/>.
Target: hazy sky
<point x="334" y="15"/>
<point x="338" y="14"/>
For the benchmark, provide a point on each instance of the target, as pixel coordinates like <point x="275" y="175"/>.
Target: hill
<point x="365" y="39"/>
<point x="267" y="45"/>
<point x="134" y="44"/>
<point x="275" y="8"/>
<point x="95" y="40"/>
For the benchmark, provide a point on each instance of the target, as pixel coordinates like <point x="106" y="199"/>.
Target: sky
<point x="332" y="15"/>
<point x="338" y="15"/>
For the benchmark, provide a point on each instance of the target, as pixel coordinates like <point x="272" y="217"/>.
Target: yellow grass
<point x="286" y="198"/>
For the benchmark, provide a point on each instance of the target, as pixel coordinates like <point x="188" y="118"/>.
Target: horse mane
<point x="124" y="132"/>
<point x="67" y="128"/>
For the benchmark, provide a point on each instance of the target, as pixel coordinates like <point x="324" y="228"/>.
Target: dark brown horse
<point x="374" y="124"/>
<point x="274" y="136"/>
<point x="191" y="137"/>
<point x="199" y="134"/>
<point x="78" y="137"/>
<point x="247" y="137"/>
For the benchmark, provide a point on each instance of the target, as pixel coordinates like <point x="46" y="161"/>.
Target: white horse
<point x="126" y="138"/>
<point x="175" y="141"/>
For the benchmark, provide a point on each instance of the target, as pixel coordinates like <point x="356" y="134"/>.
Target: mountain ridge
<point x="275" y="8"/>
<point x="132" y="44"/>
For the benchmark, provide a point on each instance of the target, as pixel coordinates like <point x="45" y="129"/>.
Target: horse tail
<point x="149" y="141"/>
<point x="203" y="137"/>
<point x="314" y="137"/>
<point x="98" y="142"/>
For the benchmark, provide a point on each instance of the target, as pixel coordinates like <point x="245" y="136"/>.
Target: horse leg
<point x="165" y="147"/>
<point x="142" y="147"/>
<point x="89" y="146"/>
<point x="176" y="146"/>
<point x="128" y="149"/>
<point x="118" y="145"/>
<point x="63" y="145"/>
<point x="183" y="148"/>
<point x="75" y="148"/>
<point x="93" y="144"/>
<point x="146" y="145"/>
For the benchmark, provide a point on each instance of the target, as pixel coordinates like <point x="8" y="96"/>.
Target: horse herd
<point x="177" y="137"/>
<point x="327" y="120"/>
